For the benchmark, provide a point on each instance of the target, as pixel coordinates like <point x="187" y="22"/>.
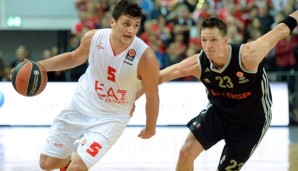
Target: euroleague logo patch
<point x="241" y="77"/>
<point x="239" y="74"/>
<point x="36" y="72"/>
<point x="130" y="56"/>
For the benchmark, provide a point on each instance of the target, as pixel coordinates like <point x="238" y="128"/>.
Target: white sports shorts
<point x="90" y="137"/>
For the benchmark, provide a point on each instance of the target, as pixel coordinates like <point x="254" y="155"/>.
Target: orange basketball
<point x="29" y="78"/>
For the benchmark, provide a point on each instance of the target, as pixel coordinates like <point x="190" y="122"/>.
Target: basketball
<point x="29" y="78"/>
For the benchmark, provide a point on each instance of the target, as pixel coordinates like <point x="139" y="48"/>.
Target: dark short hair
<point x="214" y="22"/>
<point x="127" y="7"/>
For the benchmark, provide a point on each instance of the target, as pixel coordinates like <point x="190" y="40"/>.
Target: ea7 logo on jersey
<point x="100" y="46"/>
<point x="130" y="56"/>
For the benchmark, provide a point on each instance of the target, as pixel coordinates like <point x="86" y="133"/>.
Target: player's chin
<point x="209" y="53"/>
<point x="210" y="56"/>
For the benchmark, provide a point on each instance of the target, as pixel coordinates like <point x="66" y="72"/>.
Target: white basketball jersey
<point x="110" y="82"/>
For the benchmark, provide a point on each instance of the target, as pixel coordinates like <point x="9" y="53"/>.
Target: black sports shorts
<point x="242" y="132"/>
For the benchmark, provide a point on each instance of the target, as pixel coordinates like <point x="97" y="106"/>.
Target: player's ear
<point x="226" y="39"/>
<point x="112" y="22"/>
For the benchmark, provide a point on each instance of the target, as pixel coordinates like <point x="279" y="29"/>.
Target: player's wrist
<point x="290" y="22"/>
<point x="150" y="128"/>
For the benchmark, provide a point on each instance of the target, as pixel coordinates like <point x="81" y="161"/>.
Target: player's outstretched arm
<point x="187" y="67"/>
<point x="148" y="70"/>
<point x="70" y="59"/>
<point x="254" y="52"/>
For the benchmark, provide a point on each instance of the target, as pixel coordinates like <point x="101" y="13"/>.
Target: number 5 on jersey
<point x="111" y="73"/>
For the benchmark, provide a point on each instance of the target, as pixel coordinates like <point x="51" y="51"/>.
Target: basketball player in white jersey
<point x="119" y="65"/>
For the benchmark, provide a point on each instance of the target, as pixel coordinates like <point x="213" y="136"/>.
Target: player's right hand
<point x="146" y="133"/>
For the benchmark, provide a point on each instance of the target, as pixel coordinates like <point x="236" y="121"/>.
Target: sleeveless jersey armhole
<point x="200" y="67"/>
<point x="93" y="42"/>
<point x="240" y="62"/>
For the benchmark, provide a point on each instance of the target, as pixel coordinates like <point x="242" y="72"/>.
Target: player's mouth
<point x="127" y="37"/>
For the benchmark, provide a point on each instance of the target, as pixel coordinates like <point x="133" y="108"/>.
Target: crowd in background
<point x="171" y="29"/>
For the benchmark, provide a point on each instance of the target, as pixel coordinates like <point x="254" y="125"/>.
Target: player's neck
<point x="117" y="46"/>
<point x="222" y="59"/>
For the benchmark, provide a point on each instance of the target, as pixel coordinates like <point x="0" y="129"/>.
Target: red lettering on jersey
<point x="111" y="93"/>
<point x="231" y="95"/>
<point x="116" y="96"/>
<point x="214" y="94"/>
<point x="246" y="94"/>
<point x="98" y="87"/>
<point x="238" y="96"/>
<point x="58" y="145"/>
<point x="122" y="92"/>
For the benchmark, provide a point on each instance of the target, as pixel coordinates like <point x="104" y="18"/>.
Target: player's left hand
<point x="10" y="76"/>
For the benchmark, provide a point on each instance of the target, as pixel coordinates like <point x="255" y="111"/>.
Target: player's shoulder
<point x="104" y="30"/>
<point x="91" y="33"/>
<point x="148" y="53"/>
<point x="235" y="45"/>
<point x="139" y="41"/>
<point x="143" y="47"/>
<point x="88" y="35"/>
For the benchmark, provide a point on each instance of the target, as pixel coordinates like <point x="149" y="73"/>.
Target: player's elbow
<point x="161" y="78"/>
<point x="253" y="55"/>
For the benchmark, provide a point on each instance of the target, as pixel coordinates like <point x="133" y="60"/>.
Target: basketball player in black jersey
<point x="238" y="91"/>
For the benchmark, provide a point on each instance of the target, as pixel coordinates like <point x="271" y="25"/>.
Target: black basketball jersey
<point x="231" y="88"/>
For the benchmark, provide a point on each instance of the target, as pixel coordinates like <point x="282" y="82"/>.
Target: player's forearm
<point x="139" y="93"/>
<point x="152" y="109"/>
<point x="295" y="15"/>
<point x="266" y="42"/>
<point x="60" y="62"/>
<point x="168" y="74"/>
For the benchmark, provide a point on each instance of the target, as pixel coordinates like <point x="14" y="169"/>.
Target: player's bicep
<point x="81" y="54"/>
<point x="148" y="71"/>
<point x="191" y="66"/>
<point x="253" y="53"/>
